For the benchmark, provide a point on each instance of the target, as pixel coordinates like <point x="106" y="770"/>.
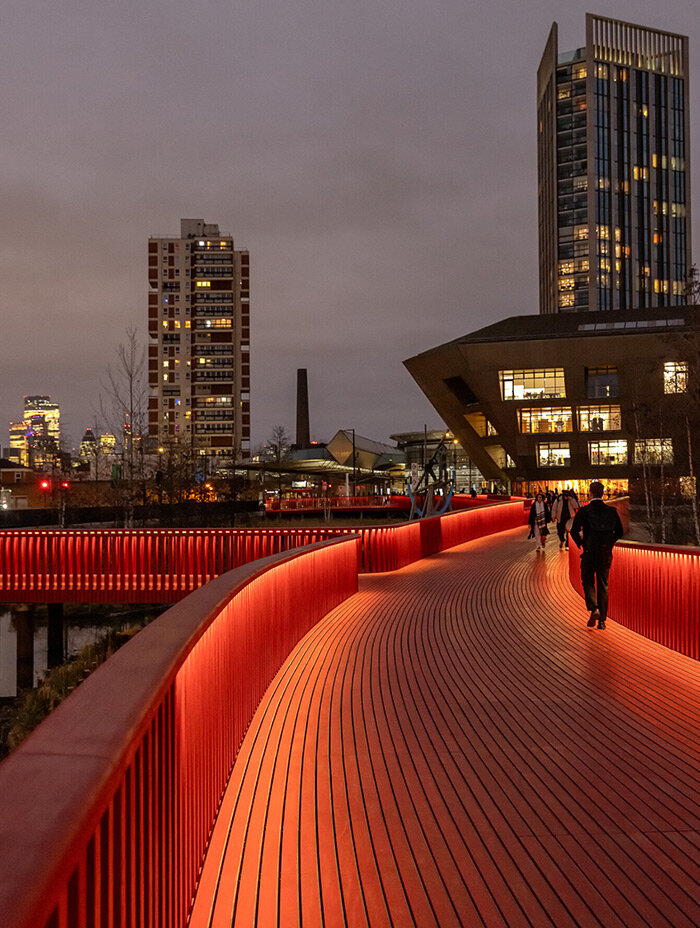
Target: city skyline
<point x="379" y="162"/>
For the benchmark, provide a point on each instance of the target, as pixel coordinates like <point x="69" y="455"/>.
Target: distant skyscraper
<point x="36" y="440"/>
<point x="18" y="450"/>
<point x="88" y="446"/>
<point x="199" y="357"/>
<point x="613" y="170"/>
<point x="45" y="414"/>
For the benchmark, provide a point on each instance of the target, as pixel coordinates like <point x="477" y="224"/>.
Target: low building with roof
<point x="370" y="455"/>
<point x="362" y="460"/>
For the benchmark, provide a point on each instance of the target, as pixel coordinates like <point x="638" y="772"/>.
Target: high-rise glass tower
<point x="613" y="170"/>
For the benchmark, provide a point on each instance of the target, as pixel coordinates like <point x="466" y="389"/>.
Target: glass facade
<point x="572" y="188"/>
<point x="553" y="454"/>
<point x="640" y="209"/>
<point x="608" y="452"/>
<point x="599" y="418"/>
<point x="675" y="377"/>
<point x="653" y="451"/>
<point x="542" y="383"/>
<point x="546" y="419"/>
<point x="622" y="216"/>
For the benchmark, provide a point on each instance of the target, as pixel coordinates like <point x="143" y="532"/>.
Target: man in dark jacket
<point x="601" y="528"/>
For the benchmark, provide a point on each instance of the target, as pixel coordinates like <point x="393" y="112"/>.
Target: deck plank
<point x="452" y="746"/>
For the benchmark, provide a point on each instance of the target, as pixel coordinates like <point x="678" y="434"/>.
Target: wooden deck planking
<point x="452" y="746"/>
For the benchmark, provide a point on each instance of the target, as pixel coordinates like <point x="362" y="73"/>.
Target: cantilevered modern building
<point x="613" y="170"/>
<point x="199" y="356"/>
<point x="557" y="401"/>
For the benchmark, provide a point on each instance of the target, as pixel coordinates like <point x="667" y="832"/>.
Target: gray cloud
<point x="378" y="160"/>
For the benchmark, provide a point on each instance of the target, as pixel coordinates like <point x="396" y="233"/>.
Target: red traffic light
<point x="44" y="485"/>
<point x="65" y="484"/>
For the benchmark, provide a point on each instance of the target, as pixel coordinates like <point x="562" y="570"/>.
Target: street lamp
<point x="354" y="463"/>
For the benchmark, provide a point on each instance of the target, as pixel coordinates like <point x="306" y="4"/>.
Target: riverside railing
<point x="165" y="565"/>
<point x="654" y="591"/>
<point x="320" y="503"/>
<point x="395" y="502"/>
<point x="107" y="807"/>
<point x="132" y="565"/>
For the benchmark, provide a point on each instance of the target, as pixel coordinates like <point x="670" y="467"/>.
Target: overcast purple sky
<point x="376" y="158"/>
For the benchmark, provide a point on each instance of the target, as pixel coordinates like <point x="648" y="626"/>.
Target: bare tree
<point x="124" y="408"/>
<point x="692" y="285"/>
<point x="641" y="457"/>
<point x="691" y="420"/>
<point x="275" y="450"/>
<point x="180" y="472"/>
<point x="689" y="399"/>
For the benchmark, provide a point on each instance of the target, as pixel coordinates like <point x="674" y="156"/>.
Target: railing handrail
<point x="654" y="590"/>
<point x="649" y="546"/>
<point x="55" y="788"/>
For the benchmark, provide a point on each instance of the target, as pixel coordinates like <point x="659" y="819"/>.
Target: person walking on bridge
<point x="563" y="512"/>
<point x="601" y="528"/>
<point x="538" y="520"/>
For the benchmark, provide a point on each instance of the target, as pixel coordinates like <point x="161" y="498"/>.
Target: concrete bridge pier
<point x="24" y="623"/>
<point x="55" y="637"/>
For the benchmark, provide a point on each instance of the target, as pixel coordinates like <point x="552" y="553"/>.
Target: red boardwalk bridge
<point x="444" y="743"/>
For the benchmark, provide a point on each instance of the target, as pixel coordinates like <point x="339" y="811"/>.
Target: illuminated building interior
<point x="596" y="414"/>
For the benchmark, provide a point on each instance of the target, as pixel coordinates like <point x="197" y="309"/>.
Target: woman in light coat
<point x="563" y="512"/>
<point x="539" y="518"/>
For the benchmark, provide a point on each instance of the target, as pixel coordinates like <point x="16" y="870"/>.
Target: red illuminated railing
<point x="106" y="809"/>
<point x="140" y="565"/>
<point x="654" y="591"/>
<point x="397" y="501"/>
<point x="164" y="565"/>
<point x="320" y="503"/>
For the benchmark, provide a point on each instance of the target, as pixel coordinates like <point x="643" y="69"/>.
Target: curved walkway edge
<point x="452" y="746"/>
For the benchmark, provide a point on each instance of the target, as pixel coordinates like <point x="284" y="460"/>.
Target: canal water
<point x="80" y="629"/>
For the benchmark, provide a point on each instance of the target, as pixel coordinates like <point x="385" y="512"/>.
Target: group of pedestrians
<point x="548" y="508"/>
<point x="594" y="528"/>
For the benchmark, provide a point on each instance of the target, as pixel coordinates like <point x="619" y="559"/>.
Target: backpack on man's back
<point x="602" y="519"/>
<point x="601" y="526"/>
